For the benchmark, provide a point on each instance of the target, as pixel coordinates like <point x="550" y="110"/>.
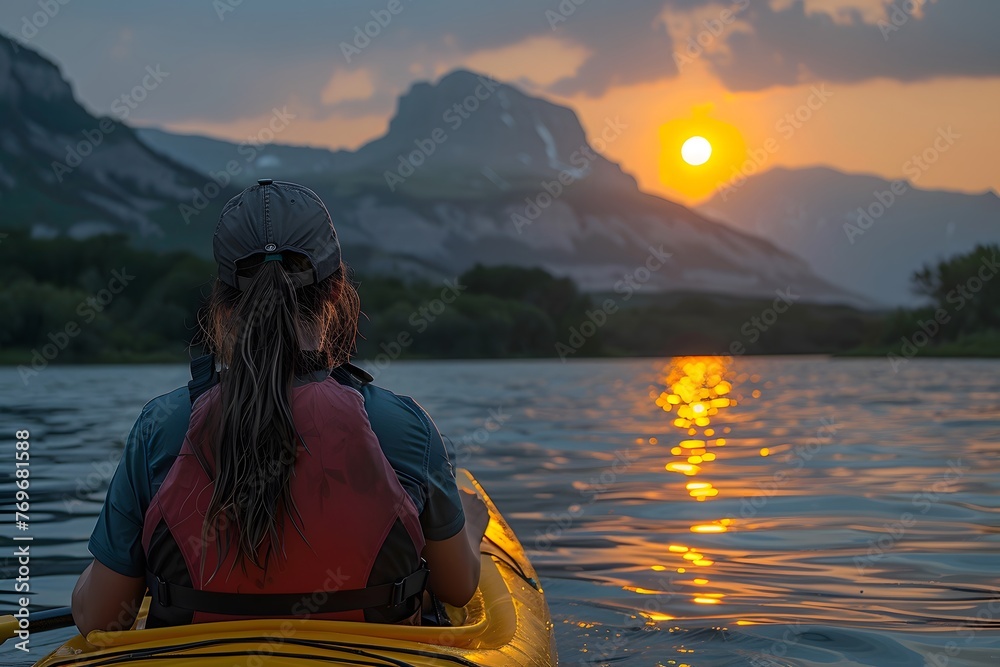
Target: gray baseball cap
<point x="273" y="219"/>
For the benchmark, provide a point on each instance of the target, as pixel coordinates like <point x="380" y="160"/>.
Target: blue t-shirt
<point x="408" y="437"/>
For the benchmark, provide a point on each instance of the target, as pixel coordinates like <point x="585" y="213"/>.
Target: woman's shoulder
<point x="172" y="407"/>
<point x="388" y="408"/>
<point x="162" y="424"/>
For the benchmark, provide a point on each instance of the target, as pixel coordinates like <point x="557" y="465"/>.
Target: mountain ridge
<point x="511" y="155"/>
<point x="65" y="172"/>
<point x="862" y="231"/>
<point x="519" y="199"/>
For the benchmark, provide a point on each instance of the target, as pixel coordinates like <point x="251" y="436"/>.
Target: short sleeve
<point x="415" y="450"/>
<point x="117" y="538"/>
<point x="443" y="515"/>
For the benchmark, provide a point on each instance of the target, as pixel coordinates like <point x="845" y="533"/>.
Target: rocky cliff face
<point x="65" y="172"/>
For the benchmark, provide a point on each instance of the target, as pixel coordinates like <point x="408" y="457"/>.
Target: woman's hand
<point x="477" y="518"/>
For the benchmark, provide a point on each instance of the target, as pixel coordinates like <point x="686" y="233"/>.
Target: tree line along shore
<point x="100" y="300"/>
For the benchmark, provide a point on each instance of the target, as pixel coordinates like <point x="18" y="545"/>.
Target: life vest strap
<point x="203" y="376"/>
<point x="404" y="589"/>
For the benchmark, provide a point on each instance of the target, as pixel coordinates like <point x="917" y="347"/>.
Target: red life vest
<point x="348" y="498"/>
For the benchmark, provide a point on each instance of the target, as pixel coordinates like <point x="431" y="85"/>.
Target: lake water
<point x="848" y="514"/>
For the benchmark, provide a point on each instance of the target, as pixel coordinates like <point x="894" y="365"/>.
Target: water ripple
<point x="700" y="511"/>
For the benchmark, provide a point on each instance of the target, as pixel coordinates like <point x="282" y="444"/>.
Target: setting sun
<point x="696" y="151"/>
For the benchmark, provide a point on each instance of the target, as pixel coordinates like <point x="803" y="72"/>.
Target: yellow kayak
<point x="506" y="623"/>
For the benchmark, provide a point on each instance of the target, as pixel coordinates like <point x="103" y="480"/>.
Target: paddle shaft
<point x="40" y="621"/>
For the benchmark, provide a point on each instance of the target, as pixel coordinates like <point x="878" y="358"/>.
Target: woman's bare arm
<point x="454" y="563"/>
<point x="106" y="600"/>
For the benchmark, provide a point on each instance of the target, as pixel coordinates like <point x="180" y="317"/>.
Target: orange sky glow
<point x="873" y="126"/>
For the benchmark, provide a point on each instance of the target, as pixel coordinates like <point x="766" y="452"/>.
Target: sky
<point x="858" y="85"/>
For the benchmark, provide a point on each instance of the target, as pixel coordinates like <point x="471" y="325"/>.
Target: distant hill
<point x="64" y="172"/>
<point x="814" y="213"/>
<point x="205" y="154"/>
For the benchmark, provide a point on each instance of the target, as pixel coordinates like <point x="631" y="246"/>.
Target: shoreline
<point x="16" y="359"/>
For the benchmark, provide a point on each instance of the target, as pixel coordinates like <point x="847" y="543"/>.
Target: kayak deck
<point x="506" y="623"/>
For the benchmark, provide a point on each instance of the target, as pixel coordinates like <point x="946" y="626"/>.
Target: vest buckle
<point x="162" y="592"/>
<point x="397" y="598"/>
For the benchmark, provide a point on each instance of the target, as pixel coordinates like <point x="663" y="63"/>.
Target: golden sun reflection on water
<point x="696" y="390"/>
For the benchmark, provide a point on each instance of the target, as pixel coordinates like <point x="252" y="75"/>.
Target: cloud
<point x="252" y="60"/>
<point x="303" y="130"/>
<point x="789" y="46"/>
<point x="629" y="44"/>
<point x="123" y="45"/>
<point x="541" y="60"/>
<point x="346" y="85"/>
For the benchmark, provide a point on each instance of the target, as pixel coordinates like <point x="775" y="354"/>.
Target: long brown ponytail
<point x="264" y="335"/>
